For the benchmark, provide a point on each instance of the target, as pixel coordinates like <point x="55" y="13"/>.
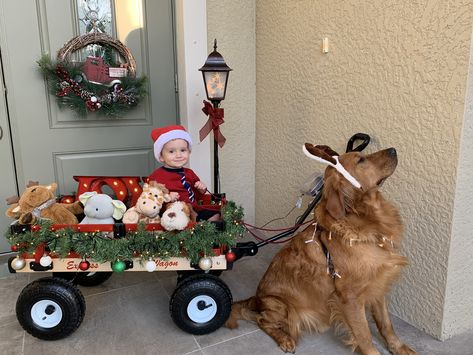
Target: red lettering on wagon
<point x="166" y="263"/>
<point x="71" y="265"/>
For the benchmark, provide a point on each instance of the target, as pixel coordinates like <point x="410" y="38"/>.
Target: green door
<point x="50" y="144"/>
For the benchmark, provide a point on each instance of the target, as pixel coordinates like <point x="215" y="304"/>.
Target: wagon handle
<point x="358" y="137"/>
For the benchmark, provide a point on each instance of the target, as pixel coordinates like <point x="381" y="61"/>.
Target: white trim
<point x="191" y="38"/>
<point x="340" y="168"/>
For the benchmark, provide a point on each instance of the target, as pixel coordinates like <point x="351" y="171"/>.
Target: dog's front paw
<point x="288" y="345"/>
<point x="231" y="323"/>
<point x="404" y="350"/>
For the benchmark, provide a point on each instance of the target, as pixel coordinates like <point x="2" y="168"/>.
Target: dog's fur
<point x="362" y="232"/>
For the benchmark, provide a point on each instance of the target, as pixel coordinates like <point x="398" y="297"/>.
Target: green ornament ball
<point x="118" y="266"/>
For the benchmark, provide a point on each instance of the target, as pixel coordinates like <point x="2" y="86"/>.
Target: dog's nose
<point x="172" y="215"/>
<point x="392" y="152"/>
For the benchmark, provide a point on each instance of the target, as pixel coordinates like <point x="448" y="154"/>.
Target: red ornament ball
<point x="84" y="265"/>
<point x="230" y="256"/>
<point x="14" y="248"/>
<point x="35" y="228"/>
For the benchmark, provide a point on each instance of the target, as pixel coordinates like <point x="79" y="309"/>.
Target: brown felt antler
<point x="326" y="155"/>
<point x="32" y="183"/>
<point x="12" y="199"/>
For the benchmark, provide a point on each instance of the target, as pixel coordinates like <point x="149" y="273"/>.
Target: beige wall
<point x="458" y="313"/>
<point x="395" y="70"/>
<point x="233" y="24"/>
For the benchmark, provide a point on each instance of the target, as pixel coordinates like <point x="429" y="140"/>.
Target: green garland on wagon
<point x="201" y="239"/>
<point x="66" y="82"/>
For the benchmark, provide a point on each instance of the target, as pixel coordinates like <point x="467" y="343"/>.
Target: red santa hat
<point x="166" y="134"/>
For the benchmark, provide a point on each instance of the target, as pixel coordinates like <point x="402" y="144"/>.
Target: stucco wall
<point x="458" y="312"/>
<point x="395" y="70"/>
<point x="233" y="24"/>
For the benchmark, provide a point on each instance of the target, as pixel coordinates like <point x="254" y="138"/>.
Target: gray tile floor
<point x="128" y="314"/>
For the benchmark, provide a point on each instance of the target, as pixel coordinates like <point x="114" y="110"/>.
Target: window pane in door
<point x="95" y="16"/>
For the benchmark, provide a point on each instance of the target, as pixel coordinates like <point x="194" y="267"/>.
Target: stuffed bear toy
<point x="177" y="216"/>
<point x="39" y="201"/>
<point x="101" y="208"/>
<point x="148" y="205"/>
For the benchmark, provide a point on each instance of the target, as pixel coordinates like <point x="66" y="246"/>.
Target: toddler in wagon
<point x="172" y="148"/>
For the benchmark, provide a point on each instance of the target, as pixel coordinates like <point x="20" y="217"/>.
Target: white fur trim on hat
<point x="169" y="136"/>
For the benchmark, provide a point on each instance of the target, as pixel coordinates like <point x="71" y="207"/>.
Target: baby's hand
<point x="174" y="196"/>
<point x="199" y="185"/>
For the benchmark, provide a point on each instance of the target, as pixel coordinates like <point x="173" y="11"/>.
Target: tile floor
<point x="128" y="314"/>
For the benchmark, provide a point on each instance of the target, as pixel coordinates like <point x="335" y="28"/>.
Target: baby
<point x="172" y="147"/>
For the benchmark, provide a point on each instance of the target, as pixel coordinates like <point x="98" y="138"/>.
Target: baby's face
<point x="175" y="153"/>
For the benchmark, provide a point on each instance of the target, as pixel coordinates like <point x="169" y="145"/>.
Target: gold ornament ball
<point x="205" y="263"/>
<point x="18" y="263"/>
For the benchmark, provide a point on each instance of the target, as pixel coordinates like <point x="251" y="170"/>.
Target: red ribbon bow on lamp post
<point x="215" y="120"/>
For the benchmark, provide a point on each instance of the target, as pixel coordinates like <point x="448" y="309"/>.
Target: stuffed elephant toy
<point x="101" y="208"/>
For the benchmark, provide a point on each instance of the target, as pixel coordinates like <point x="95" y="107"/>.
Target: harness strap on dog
<point x="330" y="267"/>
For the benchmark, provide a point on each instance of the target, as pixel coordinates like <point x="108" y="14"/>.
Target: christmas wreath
<point x="193" y="243"/>
<point x="101" y="83"/>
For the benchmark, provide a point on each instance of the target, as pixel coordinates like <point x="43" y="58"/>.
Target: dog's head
<point x="351" y="176"/>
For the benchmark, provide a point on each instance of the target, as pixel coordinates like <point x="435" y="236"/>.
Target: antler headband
<point x="326" y="155"/>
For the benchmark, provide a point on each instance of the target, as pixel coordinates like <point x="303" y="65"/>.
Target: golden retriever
<point x="333" y="271"/>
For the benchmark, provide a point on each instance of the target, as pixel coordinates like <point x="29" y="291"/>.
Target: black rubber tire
<point x="87" y="279"/>
<point x="53" y="291"/>
<point x="195" y="288"/>
<point x="183" y="275"/>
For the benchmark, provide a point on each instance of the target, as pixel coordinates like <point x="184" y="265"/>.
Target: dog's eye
<point x="33" y="190"/>
<point x="361" y="160"/>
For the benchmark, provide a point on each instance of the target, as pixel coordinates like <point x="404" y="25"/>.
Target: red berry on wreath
<point x="230" y="256"/>
<point x="14" y="248"/>
<point x="84" y="265"/>
<point x="35" y="228"/>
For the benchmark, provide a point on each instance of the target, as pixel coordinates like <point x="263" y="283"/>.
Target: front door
<point x="7" y="172"/>
<point x="52" y="144"/>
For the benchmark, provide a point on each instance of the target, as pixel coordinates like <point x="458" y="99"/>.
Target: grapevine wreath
<point x="100" y="83"/>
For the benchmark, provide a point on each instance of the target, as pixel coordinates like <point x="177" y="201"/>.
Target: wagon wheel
<point x="200" y="304"/>
<point x="88" y="279"/>
<point x="50" y="308"/>
<point x="184" y="274"/>
<point x="79" y="42"/>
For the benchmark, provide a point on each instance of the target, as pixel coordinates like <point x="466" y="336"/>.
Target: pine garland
<point x="65" y="81"/>
<point x="192" y="243"/>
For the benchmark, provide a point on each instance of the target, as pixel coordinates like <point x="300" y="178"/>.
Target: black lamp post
<point x="215" y="73"/>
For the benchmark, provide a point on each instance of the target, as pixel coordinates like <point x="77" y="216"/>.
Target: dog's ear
<point x="335" y="204"/>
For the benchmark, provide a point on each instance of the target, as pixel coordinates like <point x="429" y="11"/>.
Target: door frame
<point x="191" y="43"/>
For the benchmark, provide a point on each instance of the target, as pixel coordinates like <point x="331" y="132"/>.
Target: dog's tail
<point x="246" y="309"/>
